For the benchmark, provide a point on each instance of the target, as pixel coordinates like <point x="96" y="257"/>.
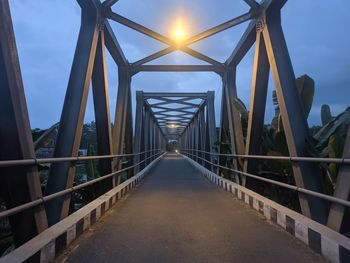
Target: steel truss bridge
<point x="33" y="213"/>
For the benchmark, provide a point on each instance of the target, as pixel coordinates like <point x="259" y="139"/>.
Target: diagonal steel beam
<point x="164" y="113"/>
<point x="71" y="123"/>
<point x="154" y="56"/>
<point x="174" y="102"/>
<point x="337" y="213"/>
<point x="205" y="34"/>
<point x="306" y="175"/>
<point x="139" y="28"/>
<point x="18" y="185"/>
<point x="109" y="3"/>
<point x="243" y="46"/>
<point x="248" y="38"/>
<point x="113" y="46"/>
<point x="201" y="56"/>
<point x="148" y="32"/>
<point x="251" y="3"/>
<point x="255" y="128"/>
<point x="102" y="114"/>
<point x="219" y="28"/>
<point x="172" y="109"/>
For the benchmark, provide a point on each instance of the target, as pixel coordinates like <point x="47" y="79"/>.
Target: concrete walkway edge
<point x="323" y="240"/>
<point x="51" y="242"/>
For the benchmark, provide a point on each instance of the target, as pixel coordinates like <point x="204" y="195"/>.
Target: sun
<point x="179" y="34"/>
<point x="179" y="31"/>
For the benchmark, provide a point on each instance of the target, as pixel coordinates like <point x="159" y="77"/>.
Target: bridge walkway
<point x="176" y="215"/>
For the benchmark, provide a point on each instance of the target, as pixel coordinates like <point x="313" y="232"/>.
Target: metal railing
<point x="36" y="161"/>
<point x="281" y="158"/>
<point x="284" y="185"/>
<point x="50" y="197"/>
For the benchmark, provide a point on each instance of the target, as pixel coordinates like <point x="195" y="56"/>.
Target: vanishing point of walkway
<point x="176" y="215"/>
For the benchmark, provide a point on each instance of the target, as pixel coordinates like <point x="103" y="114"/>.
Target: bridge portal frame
<point x="89" y="65"/>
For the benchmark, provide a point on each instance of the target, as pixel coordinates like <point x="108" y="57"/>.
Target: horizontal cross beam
<point x="156" y="95"/>
<point x="178" y="68"/>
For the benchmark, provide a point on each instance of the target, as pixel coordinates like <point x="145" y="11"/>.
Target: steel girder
<point x="18" y="185"/>
<point x="90" y="65"/>
<point x="306" y="175"/>
<point x="148" y="136"/>
<point x="102" y="113"/>
<point x="257" y="105"/>
<point x="271" y="51"/>
<point x="71" y="123"/>
<point x="172" y="111"/>
<point x="198" y="133"/>
<point x="342" y="190"/>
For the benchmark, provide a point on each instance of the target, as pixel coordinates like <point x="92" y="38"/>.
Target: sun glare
<point x="179" y="34"/>
<point x="179" y="31"/>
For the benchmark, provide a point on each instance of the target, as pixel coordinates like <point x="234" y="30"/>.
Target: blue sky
<point x="46" y="31"/>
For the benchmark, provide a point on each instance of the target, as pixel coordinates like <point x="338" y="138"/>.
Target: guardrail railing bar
<point x="47" y="198"/>
<point x="282" y="158"/>
<point x="291" y="187"/>
<point x="33" y="161"/>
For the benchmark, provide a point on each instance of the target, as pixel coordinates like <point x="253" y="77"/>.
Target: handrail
<point x="47" y="198"/>
<point x="35" y="161"/>
<point x="282" y="158"/>
<point x="288" y="186"/>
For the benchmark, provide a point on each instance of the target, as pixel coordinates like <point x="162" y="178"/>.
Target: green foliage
<point x="90" y="165"/>
<point x="275" y="120"/>
<point x="326" y="115"/>
<point x="338" y="124"/>
<point x="306" y="88"/>
<point x="324" y="141"/>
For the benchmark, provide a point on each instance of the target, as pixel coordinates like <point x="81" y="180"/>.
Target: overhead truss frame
<point x="196" y="129"/>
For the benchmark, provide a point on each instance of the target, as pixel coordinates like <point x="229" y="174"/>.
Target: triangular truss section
<point x="183" y="46"/>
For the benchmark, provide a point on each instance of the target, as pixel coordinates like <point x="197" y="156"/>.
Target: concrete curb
<point x="51" y="242"/>
<point x="332" y="245"/>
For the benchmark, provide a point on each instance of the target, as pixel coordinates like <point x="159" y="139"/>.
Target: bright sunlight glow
<point x="179" y="31"/>
<point x="179" y="34"/>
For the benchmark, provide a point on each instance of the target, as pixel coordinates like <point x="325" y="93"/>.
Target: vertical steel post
<point x="212" y="138"/>
<point x="197" y="135"/>
<point x="146" y="132"/>
<point x="234" y="118"/>
<point x="128" y="138"/>
<point x="121" y="113"/>
<point x="202" y="132"/>
<point x="226" y="134"/>
<point x="138" y="129"/>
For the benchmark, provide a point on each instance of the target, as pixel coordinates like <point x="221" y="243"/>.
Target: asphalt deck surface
<point x="176" y="215"/>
